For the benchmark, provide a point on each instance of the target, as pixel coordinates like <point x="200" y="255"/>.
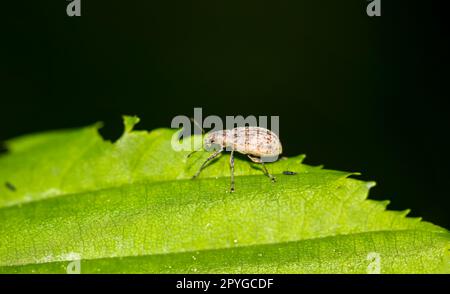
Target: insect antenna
<point x="203" y="132"/>
<point x="189" y="155"/>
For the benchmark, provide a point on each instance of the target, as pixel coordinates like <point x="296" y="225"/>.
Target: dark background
<point x="352" y="92"/>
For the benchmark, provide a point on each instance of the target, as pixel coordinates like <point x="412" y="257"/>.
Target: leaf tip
<point x="129" y="122"/>
<point x="370" y="184"/>
<point x="405" y="212"/>
<point x="98" y="125"/>
<point x="385" y="203"/>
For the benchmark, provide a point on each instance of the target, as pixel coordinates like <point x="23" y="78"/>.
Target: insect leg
<point x="211" y="157"/>
<point x="232" y="170"/>
<point x="266" y="172"/>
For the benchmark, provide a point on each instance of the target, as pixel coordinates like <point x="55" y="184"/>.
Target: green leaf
<point x="130" y="206"/>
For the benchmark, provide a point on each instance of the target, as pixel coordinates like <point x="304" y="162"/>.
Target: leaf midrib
<point x="150" y="181"/>
<point x="231" y="248"/>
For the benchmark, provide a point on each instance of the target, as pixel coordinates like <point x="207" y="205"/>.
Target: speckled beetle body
<point x="255" y="142"/>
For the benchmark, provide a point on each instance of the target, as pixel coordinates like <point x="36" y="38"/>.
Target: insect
<point x="289" y="173"/>
<point x="255" y="142"/>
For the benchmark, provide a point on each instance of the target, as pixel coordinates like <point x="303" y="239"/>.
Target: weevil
<point x="255" y="142"/>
